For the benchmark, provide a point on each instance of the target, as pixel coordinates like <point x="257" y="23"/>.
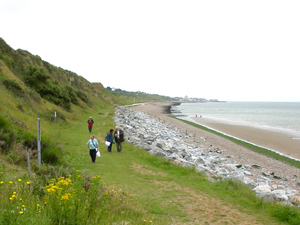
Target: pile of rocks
<point x="164" y="140"/>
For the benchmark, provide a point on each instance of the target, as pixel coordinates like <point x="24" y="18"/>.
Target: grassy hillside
<point x="131" y="187"/>
<point x="31" y="88"/>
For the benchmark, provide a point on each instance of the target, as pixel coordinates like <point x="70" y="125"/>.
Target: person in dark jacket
<point x="119" y="138"/>
<point x="109" y="138"/>
<point x="90" y="124"/>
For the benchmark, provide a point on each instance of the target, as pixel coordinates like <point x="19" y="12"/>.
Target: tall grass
<point x="73" y="199"/>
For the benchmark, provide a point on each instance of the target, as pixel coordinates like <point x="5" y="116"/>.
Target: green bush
<point x="13" y="139"/>
<point x="10" y="136"/>
<point x="13" y="86"/>
<point x="37" y="78"/>
<point x="69" y="91"/>
<point x="52" y="156"/>
<point x="82" y="96"/>
<point x="51" y="153"/>
<point x="6" y="135"/>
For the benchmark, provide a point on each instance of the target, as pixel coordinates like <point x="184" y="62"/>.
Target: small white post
<point x="39" y="142"/>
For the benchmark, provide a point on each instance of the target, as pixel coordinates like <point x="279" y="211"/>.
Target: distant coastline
<point x="197" y="100"/>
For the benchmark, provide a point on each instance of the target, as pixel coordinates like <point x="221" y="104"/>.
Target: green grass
<point x="155" y="189"/>
<point x="250" y="146"/>
<point x="146" y="176"/>
<point x="144" y="187"/>
<point x="141" y="186"/>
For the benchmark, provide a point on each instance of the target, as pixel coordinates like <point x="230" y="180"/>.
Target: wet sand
<point x="283" y="143"/>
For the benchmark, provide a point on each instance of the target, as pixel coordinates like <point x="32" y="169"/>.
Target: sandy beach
<point x="280" y="142"/>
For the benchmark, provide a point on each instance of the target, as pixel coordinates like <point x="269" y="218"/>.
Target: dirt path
<point x="200" y="208"/>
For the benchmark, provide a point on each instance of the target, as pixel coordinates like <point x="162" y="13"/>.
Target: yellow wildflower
<point x="65" y="197"/>
<point x="51" y="190"/>
<point x="10" y="182"/>
<point x="19" y="180"/>
<point x="21" y="212"/>
<point x="14" y="193"/>
<point x="28" y="182"/>
<point x="68" y="180"/>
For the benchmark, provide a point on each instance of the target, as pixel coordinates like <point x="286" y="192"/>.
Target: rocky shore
<point x="149" y="127"/>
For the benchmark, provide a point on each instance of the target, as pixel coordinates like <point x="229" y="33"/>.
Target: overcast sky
<point x="223" y="49"/>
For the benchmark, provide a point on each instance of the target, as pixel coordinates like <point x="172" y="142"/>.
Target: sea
<point x="279" y="116"/>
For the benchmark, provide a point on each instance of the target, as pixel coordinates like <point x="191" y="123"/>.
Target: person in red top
<point x="90" y="124"/>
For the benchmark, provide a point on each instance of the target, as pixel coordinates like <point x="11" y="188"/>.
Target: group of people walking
<point x="116" y="137"/>
<point x="113" y="137"/>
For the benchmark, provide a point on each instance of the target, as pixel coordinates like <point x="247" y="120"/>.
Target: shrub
<point x="37" y="78"/>
<point x="6" y="135"/>
<point x="82" y="96"/>
<point x="69" y="91"/>
<point x="52" y="156"/>
<point x="51" y="153"/>
<point x="13" y="86"/>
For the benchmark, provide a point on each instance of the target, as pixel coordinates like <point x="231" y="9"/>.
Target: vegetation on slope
<point x="66" y="189"/>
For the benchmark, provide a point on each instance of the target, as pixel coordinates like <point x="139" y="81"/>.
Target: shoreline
<point x="281" y="143"/>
